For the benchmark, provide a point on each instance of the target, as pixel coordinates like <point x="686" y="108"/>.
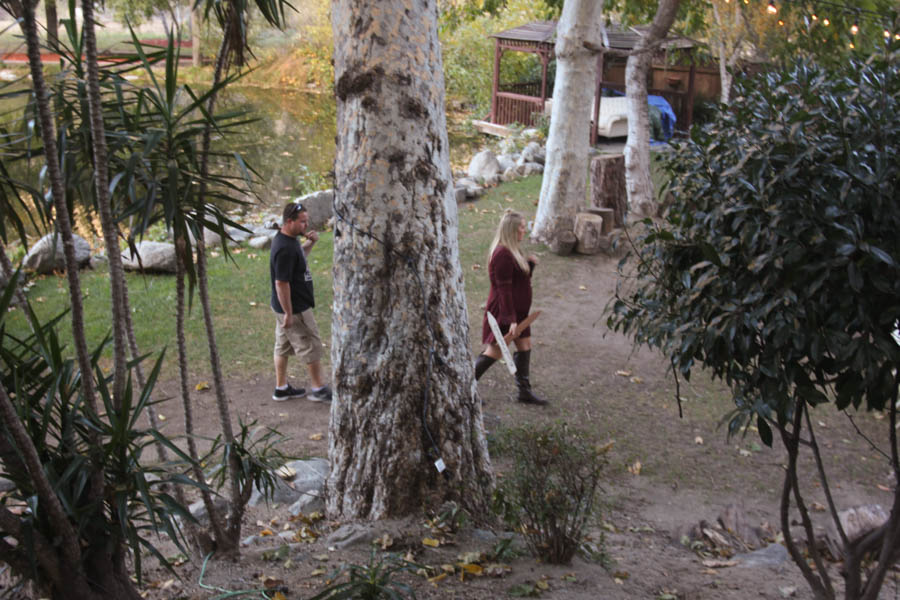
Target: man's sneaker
<point x="320" y="395"/>
<point x="288" y="393"/>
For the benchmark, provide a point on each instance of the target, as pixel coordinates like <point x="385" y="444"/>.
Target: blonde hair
<point x="508" y="236"/>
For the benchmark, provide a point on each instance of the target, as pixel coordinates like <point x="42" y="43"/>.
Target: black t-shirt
<point x="288" y="263"/>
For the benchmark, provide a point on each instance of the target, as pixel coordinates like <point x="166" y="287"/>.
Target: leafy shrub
<point x="369" y="582"/>
<point x="551" y="492"/>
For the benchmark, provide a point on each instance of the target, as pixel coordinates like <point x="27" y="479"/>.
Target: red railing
<point x="516" y="108"/>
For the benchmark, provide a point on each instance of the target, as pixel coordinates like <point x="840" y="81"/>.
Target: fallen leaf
<point x="542" y="585"/>
<point x="271" y="582"/>
<point x="744" y="452"/>
<point x="817" y="506"/>
<point x="476" y="266"/>
<point x="317" y="572"/>
<point x="161" y="417"/>
<point x="570" y="577"/>
<point x="279" y="596"/>
<point x="582" y="288"/>
<point x="266" y="532"/>
<point x="285" y="472"/>
<point x="883" y="488"/>
<point x="623" y="373"/>
<point x="698" y="440"/>
<point x="431" y="542"/>
<point x="437" y="578"/>
<point x="622" y="574"/>
<point x="635" y="468"/>
<point x="316" y="437"/>
<point x="636" y="380"/>
<point x="322" y="557"/>
<point x="604" y="448"/>
<point x="719" y="564"/>
<point x="253" y="304"/>
<point x="472" y="569"/>
<point x="385" y="541"/>
<point x="203" y="385"/>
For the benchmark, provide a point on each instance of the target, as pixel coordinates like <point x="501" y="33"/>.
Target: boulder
<point x="460" y="193"/>
<point x="310" y="474"/>
<point x="351" y="534"/>
<point x="533" y="167"/>
<point x="509" y="174"/>
<point x="473" y="190"/>
<point x="154" y="257"/>
<point x="533" y="153"/>
<point x="48" y="255"/>
<point x="307" y="503"/>
<point x="485" y="167"/>
<point x="320" y="206"/>
<point x="507" y="161"/>
<point x="261" y="242"/>
<point x="238" y="235"/>
<point x="856" y="522"/>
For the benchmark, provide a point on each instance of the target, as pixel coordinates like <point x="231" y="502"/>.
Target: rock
<point x="260" y="242"/>
<point x="533" y="167"/>
<point x="265" y="229"/>
<point x="460" y="194"/>
<point x="484" y="167"/>
<point x="473" y="190"/>
<point x="507" y="161"/>
<point x="198" y="509"/>
<point x="311" y="474"/>
<point x="351" y="534"/>
<point x="773" y="555"/>
<point x="533" y="153"/>
<point x="530" y="133"/>
<point x="510" y="174"/>
<point x="48" y="255"/>
<point x="250" y="540"/>
<point x="282" y="492"/>
<point x="856" y="522"/>
<point x="320" y="206"/>
<point x="238" y="235"/>
<point x="484" y="535"/>
<point x="734" y="520"/>
<point x="588" y="232"/>
<point x="308" y="503"/>
<point x="99" y="261"/>
<point x="211" y="238"/>
<point x="154" y="257"/>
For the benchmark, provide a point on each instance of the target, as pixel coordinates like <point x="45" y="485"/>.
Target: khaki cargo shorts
<point x="301" y="339"/>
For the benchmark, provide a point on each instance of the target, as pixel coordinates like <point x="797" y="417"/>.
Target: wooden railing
<point x="516" y="108"/>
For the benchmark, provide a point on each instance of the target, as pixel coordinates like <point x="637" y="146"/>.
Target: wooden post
<point x="689" y="106"/>
<point x="496" y="83"/>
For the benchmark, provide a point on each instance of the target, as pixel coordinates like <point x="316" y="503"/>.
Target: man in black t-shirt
<point x="292" y="300"/>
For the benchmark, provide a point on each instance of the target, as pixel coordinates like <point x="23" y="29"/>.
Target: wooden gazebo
<point x="519" y="102"/>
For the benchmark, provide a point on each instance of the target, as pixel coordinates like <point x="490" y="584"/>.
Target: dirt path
<point x="667" y="473"/>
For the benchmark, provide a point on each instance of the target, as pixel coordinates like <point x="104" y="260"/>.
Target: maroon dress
<point x="510" y="297"/>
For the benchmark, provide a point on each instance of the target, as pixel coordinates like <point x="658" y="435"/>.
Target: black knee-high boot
<point x="523" y="360"/>
<point x="482" y="364"/>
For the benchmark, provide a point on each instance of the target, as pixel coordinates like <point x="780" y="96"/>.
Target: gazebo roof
<point x="544" y="32"/>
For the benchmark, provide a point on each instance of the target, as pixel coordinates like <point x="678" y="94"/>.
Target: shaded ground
<point x="667" y="473"/>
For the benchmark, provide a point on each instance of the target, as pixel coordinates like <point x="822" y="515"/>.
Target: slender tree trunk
<point x="64" y="225"/>
<point x="563" y="190"/>
<point x="181" y="250"/>
<point x="637" y="150"/>
<point x="403" y="376"/>
<point x="101" y="185"/>
<point x="230" y="543"/>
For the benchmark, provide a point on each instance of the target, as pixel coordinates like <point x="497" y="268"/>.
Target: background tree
<point x="638" y="183"/>
<point x="403" y="377"/>
<point x="777" y="270"/>
<point x="563" y="185"/>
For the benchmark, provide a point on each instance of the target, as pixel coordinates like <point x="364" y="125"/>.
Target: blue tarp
<point x="666" y="113"/>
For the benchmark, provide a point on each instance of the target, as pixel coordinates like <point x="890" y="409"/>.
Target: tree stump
<point x="608" y="216"/>
<point x="608" y="186"/>
<point x="563" y="244"/>
<point x="589" y="233"/>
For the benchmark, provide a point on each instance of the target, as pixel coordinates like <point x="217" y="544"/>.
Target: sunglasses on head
<point x="298" y="208"/>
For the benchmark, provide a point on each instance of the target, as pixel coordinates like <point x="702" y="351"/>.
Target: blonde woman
<point x="509" y="301"/>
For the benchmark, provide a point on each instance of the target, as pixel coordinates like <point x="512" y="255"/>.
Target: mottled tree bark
<point x="563" y="190"/>
<point x="637" y="150"/>
<point x="402" y="372"/>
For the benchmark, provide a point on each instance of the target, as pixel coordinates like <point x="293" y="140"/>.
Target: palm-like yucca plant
<point x="71" y="444"/>
<point x="374" y="581"/>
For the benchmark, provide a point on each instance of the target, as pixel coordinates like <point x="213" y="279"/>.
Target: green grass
<point x="239" y="294"/>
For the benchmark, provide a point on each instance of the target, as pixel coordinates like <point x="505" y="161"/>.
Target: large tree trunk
<point x="403" y="376"/>
<point x="563" y="187"/>
<point x="637" y="150"/>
